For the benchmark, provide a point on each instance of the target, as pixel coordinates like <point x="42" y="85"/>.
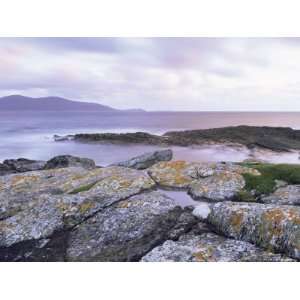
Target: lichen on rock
<point x="125" y="231"/>
<point x="272" y="227"/>
<point x="209" y="247"/>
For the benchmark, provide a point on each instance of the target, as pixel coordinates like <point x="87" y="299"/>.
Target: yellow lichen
<point x="236" y="220"/>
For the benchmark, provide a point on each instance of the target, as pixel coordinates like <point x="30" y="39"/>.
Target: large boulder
<point x="11" y="166"/>
<point x="39" y="220"/>
<point x="5" y="170"/>
<point x="174" y="174"/>
<point x="24" y="165"/>
<point x="273" y="227"/>
<point x="209" y="247"/>
<point x="125" y="231"/>
<point x="287" y="195"/>
<point x="101" y="185"/>
<point x="220" y="187"/>
<point x="65" y="161"/>
<point x="39" y="206"/>
<point x="17" y="190"/>
<point x="183" y="174"/>
<point x="147" y="160"/>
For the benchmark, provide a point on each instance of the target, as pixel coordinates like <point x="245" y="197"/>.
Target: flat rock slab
<point x="220" y="187"/>
<point x="18" y="190"/>
<point x="181" y="174"/>
<point x="126" y="230"/>
<point x="147" y="160"/>
<point x="272" y="227"/>
<point x="288" y="195"/>
<point x="209" y="247"/>
<point x="38" y="221"/>
<point x="30" y="211"/>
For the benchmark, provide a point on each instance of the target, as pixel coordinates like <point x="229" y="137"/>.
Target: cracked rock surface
<point x="209" y="247"/>
<point x="118" y="213"/>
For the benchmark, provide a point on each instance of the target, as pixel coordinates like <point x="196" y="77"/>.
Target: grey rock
<point x="18" y="190"/>
<point x="280" y="183"/>
<point x="209" y="247"/>
<point x="125" y="231"/>
<point x="220" y="187"/>
<point x="39" y="220"/>
<point x="29" y="210"/>
<point x="147" y="160"/>
<point x="287" y="195"/>
<point x="5" y="170"/>
<point x="185" y="223"/>
<point x="182" y="174"/>
<point x="273" y="227"/>
<point x="64" y="161"/>
<point x="24" y="165"/>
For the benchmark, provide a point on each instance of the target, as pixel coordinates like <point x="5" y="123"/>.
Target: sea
<point x="29" y="134"/>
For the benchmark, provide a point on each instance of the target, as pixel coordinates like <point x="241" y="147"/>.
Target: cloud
<point x="156" y="73"/>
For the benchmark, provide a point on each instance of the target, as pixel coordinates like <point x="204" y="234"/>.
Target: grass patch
<point x="265" y="184"/>
<point x="245" y="196"/>
<point x="83" y="188"/>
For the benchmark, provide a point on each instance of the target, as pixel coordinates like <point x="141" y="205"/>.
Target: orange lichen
<point x="204" y="255"/>
<point x="236" y="220"/>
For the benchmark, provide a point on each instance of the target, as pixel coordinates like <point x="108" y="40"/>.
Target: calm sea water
<point x="30" y="134"/>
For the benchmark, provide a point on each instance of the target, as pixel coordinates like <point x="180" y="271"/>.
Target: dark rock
<point x="147" y="160"/>
<point x="52" y="249"/>
<point x="5" y="170"/>
<point x="24" y="165"/>
<point x="273" y="138"/>
<point x="125" y="138"/>
<point x="64" y="161"/>
<point x="185" y="223"/>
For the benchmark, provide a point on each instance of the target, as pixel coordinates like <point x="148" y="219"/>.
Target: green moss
<point x="265" y="184"/>
<point x="83" y="188"/>
<point x="245" y="196"/>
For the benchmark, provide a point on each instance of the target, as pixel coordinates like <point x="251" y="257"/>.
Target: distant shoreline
<point x="279" y="139"/>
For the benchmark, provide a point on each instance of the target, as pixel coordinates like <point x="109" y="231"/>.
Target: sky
<point x="191" y="74"/>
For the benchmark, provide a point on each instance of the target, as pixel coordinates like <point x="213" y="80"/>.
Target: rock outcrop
<point x="64" y="161"/>
<point x="5" y="170"/>
<point x="83" y="213"/>
<point x="24" y="165"/>
<point x="147" y="160"/>
<point x="287" y="195"/>
<point x="272" y="227"/>
<point x="272" y="138"/>
<point x="205" y="181"/>
<point x="222" y="186"/>
<point x="209" y="247"/>
<point x="126" y="231"/>
<point x="20" y="165"/>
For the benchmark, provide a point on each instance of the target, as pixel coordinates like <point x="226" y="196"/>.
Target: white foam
<point x="202" y="210"/>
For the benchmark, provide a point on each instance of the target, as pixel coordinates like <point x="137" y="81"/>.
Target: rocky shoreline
<point x="272" y="138"/>
<point x="69" y="209"/>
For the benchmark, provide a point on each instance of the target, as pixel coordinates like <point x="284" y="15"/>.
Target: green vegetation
<point x="245" y="196"/>
<point x="265" y="183"/>
<point x="83" y="188"/>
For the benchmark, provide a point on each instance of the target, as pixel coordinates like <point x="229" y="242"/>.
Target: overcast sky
<point x="157" y="73"/>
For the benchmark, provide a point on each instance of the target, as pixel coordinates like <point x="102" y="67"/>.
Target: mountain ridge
<point x="53" y="103"/>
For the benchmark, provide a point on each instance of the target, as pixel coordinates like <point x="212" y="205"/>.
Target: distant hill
<point x="21" y="103"/>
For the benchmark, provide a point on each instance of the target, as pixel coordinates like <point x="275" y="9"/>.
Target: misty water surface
<point x="30" y="134"/>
